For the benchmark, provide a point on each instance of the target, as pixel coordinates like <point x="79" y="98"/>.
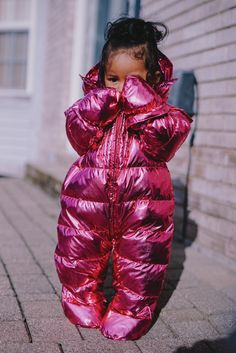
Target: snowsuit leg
<point x="81" y="258"/>
<point x="140" y="259"/>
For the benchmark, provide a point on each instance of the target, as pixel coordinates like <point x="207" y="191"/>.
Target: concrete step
<point x="48" y="175"/>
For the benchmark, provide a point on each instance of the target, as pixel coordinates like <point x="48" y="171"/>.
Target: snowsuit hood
<point x="90" y="80"/>
<point x="138" y="100"/>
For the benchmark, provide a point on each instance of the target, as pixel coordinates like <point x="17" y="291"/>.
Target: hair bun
<point x="134" y="31"/>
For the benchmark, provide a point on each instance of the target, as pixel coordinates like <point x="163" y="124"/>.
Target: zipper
<point x="117" y="140"/>
<point x="112" y="187"/>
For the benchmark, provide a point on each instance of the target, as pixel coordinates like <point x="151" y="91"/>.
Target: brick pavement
<point x="197" y="307"/>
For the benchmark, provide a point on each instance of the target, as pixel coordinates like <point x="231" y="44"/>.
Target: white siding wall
<point x="20" y="113"/>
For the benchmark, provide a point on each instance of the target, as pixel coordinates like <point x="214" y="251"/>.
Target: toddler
<point x="117" y="198"/>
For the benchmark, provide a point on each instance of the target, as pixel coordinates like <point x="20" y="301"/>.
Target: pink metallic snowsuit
<point x="117" y="198"/>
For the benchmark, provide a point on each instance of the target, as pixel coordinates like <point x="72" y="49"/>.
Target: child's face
<point x="120" y="64"/>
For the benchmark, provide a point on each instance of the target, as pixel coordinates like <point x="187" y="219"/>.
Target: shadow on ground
<point x="222" y="345"/>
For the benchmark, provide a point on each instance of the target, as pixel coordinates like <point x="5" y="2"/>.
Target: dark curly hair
<point x="138" y="35"/>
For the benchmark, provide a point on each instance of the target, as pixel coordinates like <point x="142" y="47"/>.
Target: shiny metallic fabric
<point x="117" y="200"/>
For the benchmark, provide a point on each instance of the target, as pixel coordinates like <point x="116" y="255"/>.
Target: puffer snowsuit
<point x="117" y="199"/>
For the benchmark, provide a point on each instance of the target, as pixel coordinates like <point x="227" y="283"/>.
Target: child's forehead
<point x="124" y="59"/>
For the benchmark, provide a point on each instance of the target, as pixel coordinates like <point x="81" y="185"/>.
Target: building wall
<point x="202" y="38"/>
<point x="63" y="37"/>
<point x="56" y="80"/>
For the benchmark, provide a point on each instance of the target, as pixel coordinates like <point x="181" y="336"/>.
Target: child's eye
<point x="112" y="79"/>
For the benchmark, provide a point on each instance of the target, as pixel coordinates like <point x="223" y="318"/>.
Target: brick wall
<point x="202" y="38"/>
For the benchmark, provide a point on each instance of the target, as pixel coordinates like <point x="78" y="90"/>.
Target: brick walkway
<point x="198" y="303"/>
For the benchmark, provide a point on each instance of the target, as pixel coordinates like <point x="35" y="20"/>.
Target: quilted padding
<point x="117" y="200"/>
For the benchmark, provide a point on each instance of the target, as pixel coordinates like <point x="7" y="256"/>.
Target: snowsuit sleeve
<point x="161" y="137"/>
<point x="87" y="117"/>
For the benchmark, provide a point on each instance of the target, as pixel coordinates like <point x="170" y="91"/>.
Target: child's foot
<point x="117" y="326"/>
<point x="82" y="314"/>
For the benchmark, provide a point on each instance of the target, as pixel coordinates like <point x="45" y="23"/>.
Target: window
<point x="15" y="32"/>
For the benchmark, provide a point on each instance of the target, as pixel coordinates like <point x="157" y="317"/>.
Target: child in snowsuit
<point x="117" y="197"/>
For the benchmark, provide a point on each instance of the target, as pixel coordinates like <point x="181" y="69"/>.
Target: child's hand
<point x="138" y="95"/>
<point x="99" y="106"/>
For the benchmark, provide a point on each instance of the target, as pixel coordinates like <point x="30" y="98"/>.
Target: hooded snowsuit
<point x="117" y="198"/>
